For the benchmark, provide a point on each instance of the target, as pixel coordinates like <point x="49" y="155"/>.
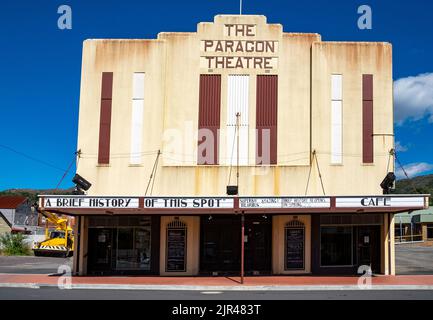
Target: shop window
<point x="120" y="243"/>
<point x="336" y="246"/>
<point x="176" y="246"/>
<point x="133" y="248"/>
<point x="294" y="258"/>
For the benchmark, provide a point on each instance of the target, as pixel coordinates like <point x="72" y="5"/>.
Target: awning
<point x="125" y="205"/>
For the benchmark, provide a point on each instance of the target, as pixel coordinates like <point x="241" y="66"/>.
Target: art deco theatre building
<point x="303" y="127"/>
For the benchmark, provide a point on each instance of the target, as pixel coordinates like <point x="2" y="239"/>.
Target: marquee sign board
<point x="91" y="203"/>
<point x="134" y="203"/>
<point x="380" y="202"/>
<point x="281" y="203"/>
<point x="246" y="203"/>
<point x="189" y="203"/>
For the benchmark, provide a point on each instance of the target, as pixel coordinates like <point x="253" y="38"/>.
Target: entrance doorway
<point x="221" y="245"/>
<point x="100" y="249"/>
<point x="369" y="247"/>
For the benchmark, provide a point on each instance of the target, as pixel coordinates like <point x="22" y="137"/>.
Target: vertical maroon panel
<point x="107" y="85"/>
<point x="367" y="87"/>
<point x="367" y="134"/>
<point x="267" y="115"/>
<point x="209" y="115"/>
<point x="367" y="119"/>
<point x="105" y="118"/>
<point x="104" y="132"/>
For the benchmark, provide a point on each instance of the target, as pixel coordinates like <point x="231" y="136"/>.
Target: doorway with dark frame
<point x="220" y="245"/>
<point x="368" y="247"/>
<point x="100" y="250"/>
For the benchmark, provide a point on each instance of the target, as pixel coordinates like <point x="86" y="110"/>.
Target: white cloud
<point x="414" y="169"/>
<point x="413" y="98"/>
<point x="399" y="147"/>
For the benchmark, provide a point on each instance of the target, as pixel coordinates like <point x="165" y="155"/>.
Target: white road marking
<point x="211" y="292"/>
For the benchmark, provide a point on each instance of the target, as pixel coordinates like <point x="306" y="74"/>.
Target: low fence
<point x="413" y="238"/>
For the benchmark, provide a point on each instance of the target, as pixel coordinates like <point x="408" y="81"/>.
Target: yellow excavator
<point x="58" y="242"/>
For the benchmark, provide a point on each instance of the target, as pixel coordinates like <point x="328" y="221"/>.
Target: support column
<point x="77" y="239"/>
<point x="83" y="246"/>
<point x="424" y="232"/>
<point x="392" y="244"/>
<point x="388" y="243"/>
<point x="385" y="247"/>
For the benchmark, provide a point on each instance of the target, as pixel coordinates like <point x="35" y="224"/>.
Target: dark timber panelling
<point x="267" y="116"/>
<point x="367" y="119"/>
<point x="209" y="114"/>
<point x="105" y="118"/>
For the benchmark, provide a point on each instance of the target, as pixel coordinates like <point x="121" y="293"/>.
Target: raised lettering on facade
<point x="239" y="54"/>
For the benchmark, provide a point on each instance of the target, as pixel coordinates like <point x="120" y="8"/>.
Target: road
<point x="414" y="259"/>
<point x="32" y="265"/>
<point x="49" y="293"/>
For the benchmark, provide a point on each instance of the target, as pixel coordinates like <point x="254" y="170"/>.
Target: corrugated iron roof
<point x="11" y="202"/>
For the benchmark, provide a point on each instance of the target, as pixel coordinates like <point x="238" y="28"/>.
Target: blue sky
<point x="40" y="67"/>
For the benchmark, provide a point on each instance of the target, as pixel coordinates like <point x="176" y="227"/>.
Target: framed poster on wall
<point x="294" y="247"/>
<point x="176" y="248"/>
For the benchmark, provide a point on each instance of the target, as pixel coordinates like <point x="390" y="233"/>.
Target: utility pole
<point x="242" y="248"/>
<point x="238" y="115"/>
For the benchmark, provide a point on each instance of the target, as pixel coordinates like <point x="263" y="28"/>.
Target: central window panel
<point x="336" y="246"/>
<point x="237" y="102"/>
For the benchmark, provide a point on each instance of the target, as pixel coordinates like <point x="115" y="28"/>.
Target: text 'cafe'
<point x="236" y="148"/>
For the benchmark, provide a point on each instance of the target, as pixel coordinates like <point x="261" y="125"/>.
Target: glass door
<point x="369" y="247"/>
<point x="220" y="244"/>
<point x="258" y="249"/>
<point x="100" y="249"/>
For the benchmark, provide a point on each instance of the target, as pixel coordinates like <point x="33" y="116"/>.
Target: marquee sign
<point x="189" y="203"/>
<point x="91" y="202"/>
<point x="245" y="203"/>
<point x="380" y="202"/>
<point x="281" y="203"/>
<point x="134" y="203"/>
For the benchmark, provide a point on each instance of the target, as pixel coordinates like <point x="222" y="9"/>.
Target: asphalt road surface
<point x="32" y="265"/>
<point x="50" y="293"/>
<point x="414" y="259"/>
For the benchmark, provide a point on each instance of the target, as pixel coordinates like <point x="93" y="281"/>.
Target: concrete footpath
<point x="312" y="283"/>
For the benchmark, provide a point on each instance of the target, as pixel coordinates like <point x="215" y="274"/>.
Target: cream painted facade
<point x="172" y="65"/>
